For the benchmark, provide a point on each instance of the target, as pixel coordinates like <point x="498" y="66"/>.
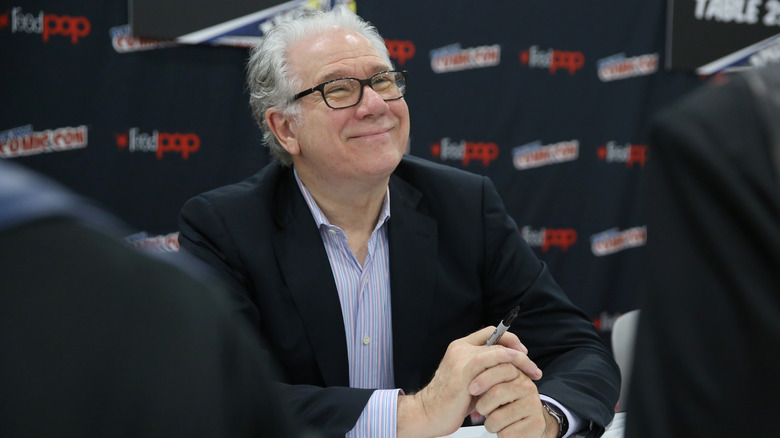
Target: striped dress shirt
<point x="364" y="293"/>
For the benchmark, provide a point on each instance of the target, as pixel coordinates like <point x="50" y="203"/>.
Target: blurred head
<point x="271" y="79"/>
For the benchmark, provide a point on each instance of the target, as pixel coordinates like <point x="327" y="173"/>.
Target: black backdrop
<point x="549" y="98"/>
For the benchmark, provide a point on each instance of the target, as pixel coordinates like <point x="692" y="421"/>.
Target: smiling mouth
<point x="372" y="134"/>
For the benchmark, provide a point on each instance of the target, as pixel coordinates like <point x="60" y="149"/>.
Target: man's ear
<point x="284" y="129"/>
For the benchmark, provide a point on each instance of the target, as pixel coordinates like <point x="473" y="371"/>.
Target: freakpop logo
<point x="628" y="153"/>
<point x="22" y="141"/>
<point x="400" y="50"/>
<point x="549" y="237"/>
<point x="46" y="24"/>
<point x="158" y="142"/>
<point x="552" y="59"/>
<point x="465" y="151"/>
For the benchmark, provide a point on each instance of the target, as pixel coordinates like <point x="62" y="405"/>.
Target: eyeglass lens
<point x="347" y="92"/>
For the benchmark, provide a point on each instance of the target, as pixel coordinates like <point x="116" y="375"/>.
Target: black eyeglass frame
<point x="363" y="83"/>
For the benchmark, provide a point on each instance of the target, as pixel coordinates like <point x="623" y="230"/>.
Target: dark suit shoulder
<point x="710" y="127"/>
<point x="415" y="167"/>
<point x="264" y="181"/>
<point x="434" y="179"/>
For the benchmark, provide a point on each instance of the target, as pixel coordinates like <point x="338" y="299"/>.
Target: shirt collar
<point x="322" y="220"/>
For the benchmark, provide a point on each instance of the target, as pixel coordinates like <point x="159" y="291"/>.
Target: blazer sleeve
<point x="332" y="411"/>
<point x="579" y="371"/>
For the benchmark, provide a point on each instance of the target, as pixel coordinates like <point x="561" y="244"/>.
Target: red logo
<point x="4" y="19"/>
<point x="158" y="142"/>
<point x="465" y="151"/>
<point x="545" y="238"/>
<point x="628" y="153"/>
<point x="400" y="50"/>
<point x="553" y="60"/>
<point x="65" y="25"/>
<point x="49" y="24"/>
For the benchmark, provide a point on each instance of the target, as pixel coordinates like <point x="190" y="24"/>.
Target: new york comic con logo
<point x="614" y="240"/>
<point x="123" y="41"/>
<point x="536" y="154"/>
<point x="455" y="58"/>
<point x="24" y="141"/>
<point x="158" y="142"/>
<point x="45" y="24"/>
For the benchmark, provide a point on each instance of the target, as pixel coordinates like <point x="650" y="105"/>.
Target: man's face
<point x="363" y="142"/>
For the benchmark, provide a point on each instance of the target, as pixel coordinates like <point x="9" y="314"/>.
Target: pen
<point x="503" y="326"/>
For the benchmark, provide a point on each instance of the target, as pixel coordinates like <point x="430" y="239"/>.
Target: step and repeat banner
<point x="141" y="108"/>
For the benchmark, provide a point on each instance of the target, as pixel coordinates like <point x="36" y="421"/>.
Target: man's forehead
<point x="335" y="54"/>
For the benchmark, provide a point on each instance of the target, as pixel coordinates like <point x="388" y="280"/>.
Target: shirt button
<point x="332" y="231"/>
<point x="366" y="340"/>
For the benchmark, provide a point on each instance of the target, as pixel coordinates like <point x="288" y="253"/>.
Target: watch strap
<point x="563" y="422"/>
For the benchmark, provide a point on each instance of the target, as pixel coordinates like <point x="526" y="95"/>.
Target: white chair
<point x="623" y="335"/>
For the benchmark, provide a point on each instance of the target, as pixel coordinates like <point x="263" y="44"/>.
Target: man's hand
<point x="440" y="407"/>
<point x="509" y="400"/>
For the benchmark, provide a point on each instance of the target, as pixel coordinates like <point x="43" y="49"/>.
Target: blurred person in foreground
<point x="377" y="277"/>
<point x="708" y="341"/>
<point x="100" y="340"/>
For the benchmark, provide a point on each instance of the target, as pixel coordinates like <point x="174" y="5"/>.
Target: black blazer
<point x="457" y="264"/>
<point x="707" y="342"/>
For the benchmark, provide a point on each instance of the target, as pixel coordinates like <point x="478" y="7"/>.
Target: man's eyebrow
<point x="338" y="74"/>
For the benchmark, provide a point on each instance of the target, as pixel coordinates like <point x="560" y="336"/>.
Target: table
<point x="614" y="430"/>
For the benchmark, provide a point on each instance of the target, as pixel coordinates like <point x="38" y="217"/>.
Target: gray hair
<point x="269" y="79"/>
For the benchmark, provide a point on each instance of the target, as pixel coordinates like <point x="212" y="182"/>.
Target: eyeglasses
<point x="347" y="92"/>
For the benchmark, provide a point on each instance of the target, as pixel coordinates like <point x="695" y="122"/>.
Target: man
<point x="99" y="339"/>
<point x="709" y="334"/>
<point x="366" y="268"/>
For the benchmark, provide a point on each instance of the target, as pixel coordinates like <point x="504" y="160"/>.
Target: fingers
<point x="511" y="401"/>
<point x="516" y="419"/>
<point x="487" y="358"/>
<point x="445" y="401"/>
<point x="527" y="366"/>
<point x="510" y="340"/>
<point x="481" y="336"/>
<point x="505" y="372"/>
<point x="523" y="363"/>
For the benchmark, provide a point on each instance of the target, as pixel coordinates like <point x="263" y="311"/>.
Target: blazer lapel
<point x="413" y="244"/>
<point x="305" y="267"/>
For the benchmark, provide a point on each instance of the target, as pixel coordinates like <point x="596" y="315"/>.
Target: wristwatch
<point x="563" y="422"/>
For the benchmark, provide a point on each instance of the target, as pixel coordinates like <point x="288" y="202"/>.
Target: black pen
<point x="503" y="326"/>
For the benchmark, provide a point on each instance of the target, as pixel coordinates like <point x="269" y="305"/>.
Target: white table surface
<point x="614" y="430"/>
